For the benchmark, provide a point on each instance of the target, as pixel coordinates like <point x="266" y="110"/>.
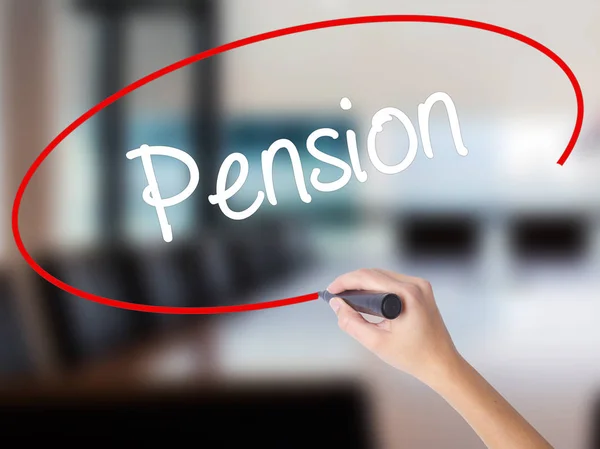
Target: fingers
<point x="398" y="276"/>
<point x="375" y="280"/>
<point x="363" y="279"/>
<point x="350" y="321"/>
<point x="423" y="284"/>
<point x="385" y="325"/>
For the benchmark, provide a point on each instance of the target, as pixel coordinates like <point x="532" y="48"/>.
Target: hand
<point x="417" y="342"/>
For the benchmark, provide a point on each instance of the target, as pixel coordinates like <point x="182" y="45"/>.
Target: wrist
<point x="447" y="371"/>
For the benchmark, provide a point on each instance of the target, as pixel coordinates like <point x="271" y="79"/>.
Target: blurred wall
<point x="491" y="77"/>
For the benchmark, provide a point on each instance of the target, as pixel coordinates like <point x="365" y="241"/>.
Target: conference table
<point x="536" y="342"/>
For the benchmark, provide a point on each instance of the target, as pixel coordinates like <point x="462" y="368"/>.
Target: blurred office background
<point x="509" y="239"/>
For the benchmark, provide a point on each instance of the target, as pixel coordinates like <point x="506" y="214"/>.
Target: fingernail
<point x="335" y="304"/>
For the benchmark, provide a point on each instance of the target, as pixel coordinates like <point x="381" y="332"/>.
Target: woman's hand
<point x="417" y="342"/>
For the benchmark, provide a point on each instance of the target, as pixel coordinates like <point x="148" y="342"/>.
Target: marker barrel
<point x="384" y="305"/>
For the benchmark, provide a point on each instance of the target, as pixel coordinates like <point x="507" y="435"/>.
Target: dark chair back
<point x="244" y="265"/>
<point x="561" y="237"/>
<point x="263" y="253"/>
<point x="188" y="274"/>
<point x="86" y="329"/>
<point x="15" y="357"/>
<point x="444" y="236"/>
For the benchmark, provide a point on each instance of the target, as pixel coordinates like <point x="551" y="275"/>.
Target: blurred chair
<point x="291" y="240"/>
<point x="548" y="237"/>
<point x="202" y="271"/>
<point x="86" y="330"/>
<point x="163" y="284"/>
<point x="278" y="257"/>
<point x="246" y="260"/>
<point x="263" y="253"/>
<point x="15" y="360"/>
<point x="217" y="269"/>
<point x="547" y="248"/>
<point x="442" y="236"/>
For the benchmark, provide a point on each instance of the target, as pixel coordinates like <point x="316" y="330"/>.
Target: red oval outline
<point x="231" y="46"/>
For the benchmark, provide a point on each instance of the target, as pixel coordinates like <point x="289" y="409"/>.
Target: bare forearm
<point x="419" y="344"/>
<point x="496" y="422"/>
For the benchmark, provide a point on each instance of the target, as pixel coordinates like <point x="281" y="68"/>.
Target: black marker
<point x="384" y="305"/>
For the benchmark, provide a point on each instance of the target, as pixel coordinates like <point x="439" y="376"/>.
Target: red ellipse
<point x="231" y="46"/>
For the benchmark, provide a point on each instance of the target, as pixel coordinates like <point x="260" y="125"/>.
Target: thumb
<point x="353" y="323"/>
